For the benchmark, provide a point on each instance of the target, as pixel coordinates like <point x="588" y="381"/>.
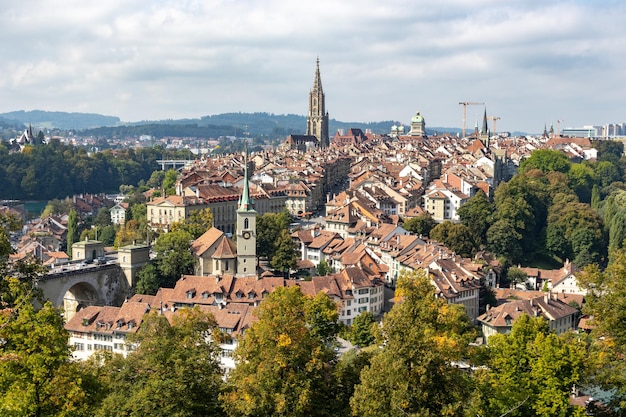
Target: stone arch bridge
<point x="73" y="287"/>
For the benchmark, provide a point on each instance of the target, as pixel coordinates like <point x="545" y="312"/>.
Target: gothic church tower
<point x="317" y="119"/>
<point x="246" y="230"/>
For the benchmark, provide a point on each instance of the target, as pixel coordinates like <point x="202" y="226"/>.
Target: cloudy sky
<point x="532" y="62"/>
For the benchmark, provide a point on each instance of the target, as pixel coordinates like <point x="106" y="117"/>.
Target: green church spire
<point x="245" y="202"/>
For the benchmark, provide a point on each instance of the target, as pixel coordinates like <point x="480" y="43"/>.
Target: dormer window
<point x="251" y="295"/>
<point x="131" y="325"/>
<point x="205" y="295"/>
<point x="218" y="296"/>
<point x="239" y="295"/>
<point x="191" y="293"/>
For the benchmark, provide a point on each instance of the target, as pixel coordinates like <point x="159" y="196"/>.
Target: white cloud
<point x="530" y="61"/>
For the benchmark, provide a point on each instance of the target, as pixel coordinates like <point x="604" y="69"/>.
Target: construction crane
<point x="495" y="120"/>
<point x="558" y="127"/>
<point x="465" y="104"/>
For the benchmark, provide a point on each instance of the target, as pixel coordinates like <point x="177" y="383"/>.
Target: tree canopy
<point x="413" y="373"/>
<point x="37" y="377"/>
<point x="283" y="361"/>
<point x="174" y="371"/>
<point x="530" y="371"/>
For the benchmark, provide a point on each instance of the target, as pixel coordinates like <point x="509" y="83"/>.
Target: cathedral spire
<point x="317" y="118"/>
<point x="317" y="82"/>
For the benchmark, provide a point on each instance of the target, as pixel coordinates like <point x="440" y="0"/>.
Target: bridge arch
<point x="75" y="286"/>
<point x="79" y="296"/>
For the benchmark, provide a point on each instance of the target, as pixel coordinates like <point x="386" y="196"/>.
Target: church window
<point x="246" y="224"/>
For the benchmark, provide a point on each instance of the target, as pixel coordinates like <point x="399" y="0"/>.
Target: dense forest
<point x="61" y="120"/>
<point x="230" y="124"/>
<point x="55" y="170"/>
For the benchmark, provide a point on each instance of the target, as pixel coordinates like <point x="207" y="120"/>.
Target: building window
<point x="246" y="223"/>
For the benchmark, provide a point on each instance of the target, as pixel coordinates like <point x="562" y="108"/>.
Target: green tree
<point x="361" y="333"/>
<point x="173" y="257"/>
<point x="106" y="235"/>
<point x="504" y="240"/>
<point x="130" y="232"/>
<point x="174" y="371"/>
<point x="57" y="207"/>
<point x="596" y="198"/>
<point x="530" y="371"/>
<point x="286" y="255"/>
<point x="283" y="368"/>
<point x="198" y="222"/>
<point x="413" y="373"/>
<point x="421" y="225"/>
<point x="520" y="218"/>
<point x="148" y="280"/>
<point x="37" y="377"/>
<point x="456" y="236"/>
<point x="268" y="228"/>
<point x="103" y="218"/>
<point x="606" y="303"/>
<point x="156" y="179"/>
<point x="72" y="231"/>
<point x="347" y="373"/>
<point x="575" y="231"/>
<point x="546" y="160"/>
<point x="609" y="150"/>
<point x="323" y="268"/>
<point x="582" y="180"/>
<point x="477" y="215"/>
<point x="516" y="276"/>
<point x="169" y="181"/>
<point x="607" y="173"/>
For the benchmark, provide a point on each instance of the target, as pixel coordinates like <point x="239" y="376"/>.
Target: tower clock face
<point x="245" y="235"/>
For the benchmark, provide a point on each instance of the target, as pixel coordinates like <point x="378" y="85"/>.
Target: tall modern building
<point x="317" y="119"/>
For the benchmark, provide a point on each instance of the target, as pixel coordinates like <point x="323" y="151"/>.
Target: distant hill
<point x="61" y="120"/>
<point x="235" y="124"/>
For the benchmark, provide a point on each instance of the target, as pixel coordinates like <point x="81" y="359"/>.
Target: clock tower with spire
<point x="246" y="230"/>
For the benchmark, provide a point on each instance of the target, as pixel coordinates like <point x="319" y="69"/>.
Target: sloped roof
<point x="204" y="242"/>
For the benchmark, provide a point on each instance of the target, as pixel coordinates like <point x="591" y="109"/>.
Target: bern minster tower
<point x="246" y="230"/>
<point x="317" y="119"/>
